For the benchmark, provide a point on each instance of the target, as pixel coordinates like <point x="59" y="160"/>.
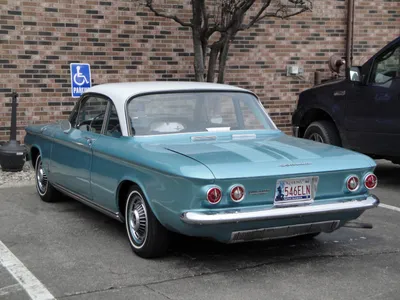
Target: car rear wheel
<point x="323" y="132"/>
<point x="148" y="238"/>
<point x="44" y="188"/>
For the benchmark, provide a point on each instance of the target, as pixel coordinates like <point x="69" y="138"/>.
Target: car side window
<point x="91" y="114"/>
<point x="387" y="66"/>
<point x="113" y="126"/>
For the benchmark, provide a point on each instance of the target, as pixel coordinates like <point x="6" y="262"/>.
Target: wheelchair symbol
<point x="79" y="78"/>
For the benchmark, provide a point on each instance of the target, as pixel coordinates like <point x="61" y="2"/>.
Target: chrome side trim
<point x="243" y="136"/>
<point x="295" y="131"/>
<point x="73" y="145"/>
<point x="84" y="200"/>
<point x="203" y="138"/>
<point x="272" y="213"/>
<point x="283" y="231"/>
<point x="41" y="135"/>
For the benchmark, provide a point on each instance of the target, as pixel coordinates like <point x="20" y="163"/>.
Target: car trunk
<point x="259" y="163"/>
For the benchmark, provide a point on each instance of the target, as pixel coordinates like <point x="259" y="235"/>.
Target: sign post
<point x="80" y="79"/>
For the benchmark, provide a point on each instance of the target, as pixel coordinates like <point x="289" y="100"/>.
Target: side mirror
<point x="355" y="74"/>
<point x="65" y="126"/>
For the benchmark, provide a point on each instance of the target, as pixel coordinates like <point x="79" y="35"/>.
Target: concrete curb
<point x="16" y="184"/>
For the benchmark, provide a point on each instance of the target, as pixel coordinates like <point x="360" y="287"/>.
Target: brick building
<point x="124" y="42"/>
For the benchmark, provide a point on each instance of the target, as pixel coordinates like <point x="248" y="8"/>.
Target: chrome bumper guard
<point x="246" y="215"/>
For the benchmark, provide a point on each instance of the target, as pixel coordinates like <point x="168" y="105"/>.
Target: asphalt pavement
<point x="78" y="253"/>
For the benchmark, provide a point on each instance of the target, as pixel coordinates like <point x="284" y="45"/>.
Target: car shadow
<point x="205" y="249"/>
<point x="388" y="173"/>
<point x="193" y="248"/>
<point x="212" y="254"/>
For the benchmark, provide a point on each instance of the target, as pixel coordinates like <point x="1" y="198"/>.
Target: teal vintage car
<point x="199" y="159"/>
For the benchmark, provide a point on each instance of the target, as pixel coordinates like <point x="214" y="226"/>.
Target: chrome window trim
<point x="106" y="118"/>
<point x="109" y="100"/>
<point x="199" y="133"/>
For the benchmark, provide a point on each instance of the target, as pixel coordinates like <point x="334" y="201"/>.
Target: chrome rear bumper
<point x="245" y="215"/>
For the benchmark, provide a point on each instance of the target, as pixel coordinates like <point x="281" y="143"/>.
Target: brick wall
<point x="124" y="42"/>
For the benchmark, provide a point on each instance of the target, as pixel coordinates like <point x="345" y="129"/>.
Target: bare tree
<point x="220" y="21"/>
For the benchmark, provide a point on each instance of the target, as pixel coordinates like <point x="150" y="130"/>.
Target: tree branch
<point x="258" y="15"/>
<point x="292" y="14"/>
<point x="274" y="15"/>
<point x="204" y="14"/>
<point x="149" y="5"/>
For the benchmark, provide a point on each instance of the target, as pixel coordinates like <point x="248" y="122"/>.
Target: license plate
<point x="295" y="190"/>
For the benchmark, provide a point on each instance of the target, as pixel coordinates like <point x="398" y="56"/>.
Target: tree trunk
<point x="223" y="56"/>
<point x="198" y="56"/>
<point x="204" y="44"/>
<point x="212" y="62"/>
<point x="197" y="41"/>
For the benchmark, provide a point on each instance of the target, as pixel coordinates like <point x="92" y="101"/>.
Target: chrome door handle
<point x="89" y="140"/>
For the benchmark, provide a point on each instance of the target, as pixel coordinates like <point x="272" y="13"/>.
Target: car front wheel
<point x="148" y="238"/>
<point x="44" y="188"/>
<point x="323" y="132"/>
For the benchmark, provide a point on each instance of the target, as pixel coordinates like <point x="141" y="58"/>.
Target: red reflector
<point x="237" y="193"/>
<point x="214" y="195"/>
<point x="370" y="181"/>
<point x="353" y="183"/>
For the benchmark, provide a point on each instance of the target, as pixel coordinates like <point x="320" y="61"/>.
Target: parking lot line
<point x="34" y="288"/>
<point x="389" y="207"/>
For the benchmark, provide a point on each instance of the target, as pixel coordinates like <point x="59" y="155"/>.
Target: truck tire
<point x="323" y="132"/>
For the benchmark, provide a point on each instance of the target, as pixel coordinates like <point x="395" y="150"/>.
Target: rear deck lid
<point x="270" y="156"/>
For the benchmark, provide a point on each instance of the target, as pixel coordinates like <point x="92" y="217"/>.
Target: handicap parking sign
<point x="80" y="79"/>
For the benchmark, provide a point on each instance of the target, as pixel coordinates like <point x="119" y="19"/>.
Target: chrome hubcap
<point x="137" y="219"/>
<point x="41" y="177"/>
<point x="316" y="137"/>
<point x="136" y="222"/>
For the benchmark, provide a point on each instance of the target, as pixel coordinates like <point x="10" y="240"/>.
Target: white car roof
<point x="120" y="92"/>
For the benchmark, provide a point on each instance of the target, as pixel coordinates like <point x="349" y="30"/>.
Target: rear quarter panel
<point x="170" y="182"/>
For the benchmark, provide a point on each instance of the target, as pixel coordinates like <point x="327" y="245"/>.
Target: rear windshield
<point x="196" y="112"/>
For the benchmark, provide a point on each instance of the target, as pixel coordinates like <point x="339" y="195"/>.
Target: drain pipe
<point x="349" y="36"/>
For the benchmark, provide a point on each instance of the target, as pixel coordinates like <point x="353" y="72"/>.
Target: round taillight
<point x="370" y="181"/>
<point x="352" y="183"/>
<point x="237" y="193"/>
<point x="214" y="195"/>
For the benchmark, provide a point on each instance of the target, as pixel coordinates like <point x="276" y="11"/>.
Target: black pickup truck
<point x="359" y="112"/>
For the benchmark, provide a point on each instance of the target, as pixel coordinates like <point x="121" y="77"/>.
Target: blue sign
<point x="80" y="79"/>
